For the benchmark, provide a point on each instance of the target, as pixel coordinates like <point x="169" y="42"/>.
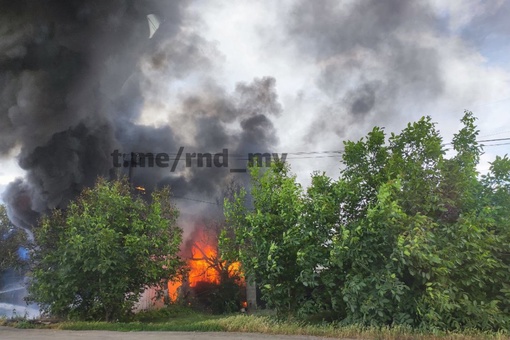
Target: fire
<point x="141" y="189"/>
<point x="173" y="291"/>
<point x="204" y="263"/>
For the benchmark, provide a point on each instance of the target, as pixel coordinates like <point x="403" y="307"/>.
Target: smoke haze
<point x="75" y="76"/>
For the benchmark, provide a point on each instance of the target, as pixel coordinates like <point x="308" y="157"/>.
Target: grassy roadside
<point x="187" y="320"/>
<point x="268" y="325"/>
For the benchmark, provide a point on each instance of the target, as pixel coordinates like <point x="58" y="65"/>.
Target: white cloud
<point x="251" y="37"/>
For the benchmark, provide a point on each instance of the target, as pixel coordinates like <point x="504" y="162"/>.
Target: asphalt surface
<point x="7" y="333"/>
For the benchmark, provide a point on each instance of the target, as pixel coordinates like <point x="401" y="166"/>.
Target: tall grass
<point x="183" y="319"/>
<point x="269" y="325"/>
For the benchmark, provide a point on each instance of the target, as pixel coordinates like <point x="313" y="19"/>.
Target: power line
<point x="322" y="154"/>
<point x="485" y="140"/>
<point x="306" y="155"/>
<point x="493" y="140"/>
<point x="217" y="204"/>
<point x="497" y="144"/>
<point x="339" y="152"/>
<point x="252" y="153"/>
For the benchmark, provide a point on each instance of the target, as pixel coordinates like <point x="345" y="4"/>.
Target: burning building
<point x="209" y="284"/>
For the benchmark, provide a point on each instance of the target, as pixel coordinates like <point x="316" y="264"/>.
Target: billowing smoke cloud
<point x="208" y="118"/>
<point x="80" y="79"/>
<point x="373" y="54"/>
<point x="75" y="78"/>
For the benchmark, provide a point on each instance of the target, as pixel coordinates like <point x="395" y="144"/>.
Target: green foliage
<point x="93" y="260"/>
<point x="405" y="236"/>
<point x="224" y="297"/>
<point x="11" y="239"/>
<point x="266" y="237"/>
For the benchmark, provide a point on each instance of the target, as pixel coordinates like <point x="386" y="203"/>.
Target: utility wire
<point x="485" y="141"/>
<point x="493" y="140"/>
<point x="338" y="152"/>
<point x="306" y="155"/>
<point x="329" y="154"/>
<point x="497" y="144"/>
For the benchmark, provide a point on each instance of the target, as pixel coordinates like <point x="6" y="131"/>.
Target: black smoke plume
<point x="373" y="56"/>
<point x="75" y="77"/>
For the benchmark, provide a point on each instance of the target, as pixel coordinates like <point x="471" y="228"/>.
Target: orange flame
<point x="173" y="291"/>
<point x="204" y="263"/>
<point x="203" y="266"/>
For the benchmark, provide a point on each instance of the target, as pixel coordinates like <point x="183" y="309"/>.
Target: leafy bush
<point x="219" y="298"/>
<point x="93" y="260"/>
<point x="405" y="236"/>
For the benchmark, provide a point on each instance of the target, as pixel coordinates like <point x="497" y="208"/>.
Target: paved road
<point x="7" y="333"/>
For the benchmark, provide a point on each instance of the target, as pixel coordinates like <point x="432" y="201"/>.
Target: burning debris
<point x="205" y="263"/>
<point x="141" y="190"/>
<point x="209" y="275"/>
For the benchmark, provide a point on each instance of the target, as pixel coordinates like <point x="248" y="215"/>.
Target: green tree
<point x="404" y="236"/>
<point x="11" y="239"/>
<point x="423" y="248"/>
<point x="265" y="238"/>
<point x="93" y="260"/>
